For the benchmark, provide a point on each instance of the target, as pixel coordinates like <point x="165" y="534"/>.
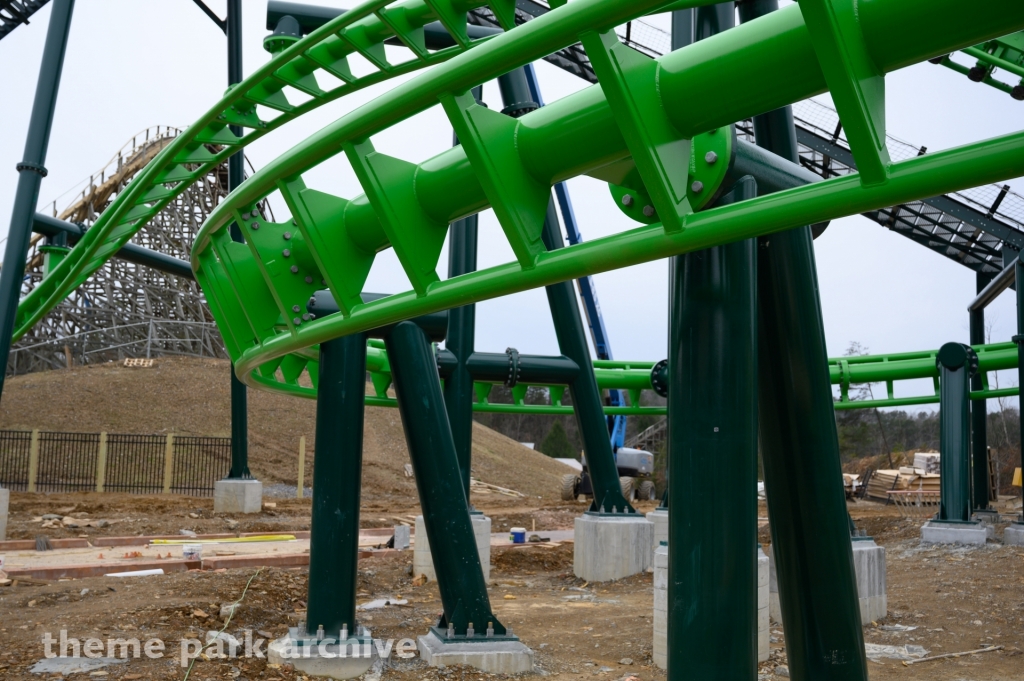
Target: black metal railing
<point x="42" y="461"/>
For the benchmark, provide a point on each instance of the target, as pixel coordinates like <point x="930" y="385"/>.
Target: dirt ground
<point x="957" y="598"/>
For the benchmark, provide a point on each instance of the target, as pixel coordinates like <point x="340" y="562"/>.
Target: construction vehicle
<point x="635" y="469"/>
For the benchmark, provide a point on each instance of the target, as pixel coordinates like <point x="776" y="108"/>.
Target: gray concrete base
<point x="1014" y="534"/>
<point x="608" y="547"/>
<point x="423" y="563"/>
<point x="659" y="517"/>
<point x="5" y="500"/>
<point x="660" y="647"/>
<point x="989" y="517"/>
<point x="237" y="496"/>
<point x="762" y="606"/>
<point x="493" y="657"/>
<point x="869" y="567"/>
<point x="968" y="534"/>
<point x="869" y="564"/>
<point x="323" y="660"/>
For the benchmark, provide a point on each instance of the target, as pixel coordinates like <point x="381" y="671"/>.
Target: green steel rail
<point x="631" y="131"/>
<point x="1006" y="54"/>
<point x="209" y="142"/>
<point x="635" y="377"/>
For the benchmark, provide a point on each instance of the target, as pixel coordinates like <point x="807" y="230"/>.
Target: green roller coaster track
<point x="634" y="130"/>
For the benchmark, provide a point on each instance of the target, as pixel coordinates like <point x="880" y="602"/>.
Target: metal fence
<point x="38" y="461"/>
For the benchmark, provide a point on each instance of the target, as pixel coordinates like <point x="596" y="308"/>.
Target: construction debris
<point x="987" y="649"/>
<point x="486" y="488"/>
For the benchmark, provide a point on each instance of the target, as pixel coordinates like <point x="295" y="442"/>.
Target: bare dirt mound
<point x="191" y="397"/>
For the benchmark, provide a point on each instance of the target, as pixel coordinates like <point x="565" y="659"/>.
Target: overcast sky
<point x="131" y="65"/>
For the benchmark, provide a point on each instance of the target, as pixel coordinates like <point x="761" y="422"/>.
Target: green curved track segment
<point x="209" y="142"/>
<point x="635" y="377"/>
<point x="633" y="128"/>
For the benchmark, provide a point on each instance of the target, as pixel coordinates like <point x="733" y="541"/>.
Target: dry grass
<point x="191" y="396"/>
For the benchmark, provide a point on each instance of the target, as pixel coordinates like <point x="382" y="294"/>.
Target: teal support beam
<point x="31" y="172"/>
<point x="957" y="363"/>
<point x="460" y="577"/>
<point x="236" y="173"/>
<point x="979" y="412"/>
<point x="712" y="449"/>
<point x="800" y="445"/>
<point x="337" y="474"/>
<point x="586" y="396"/>
<point x="458" y="385"/>
<point x="572" y="338"/>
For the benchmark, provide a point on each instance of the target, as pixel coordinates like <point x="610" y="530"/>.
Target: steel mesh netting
<point x="646" y="38"/>
<point x="67" y="462"/>
<point x="198" y="463"/>
<point x="15" y="448"/>
<point x="135" y="463"/>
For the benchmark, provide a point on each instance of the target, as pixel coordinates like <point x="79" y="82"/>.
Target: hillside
<point x="191" y="396"/>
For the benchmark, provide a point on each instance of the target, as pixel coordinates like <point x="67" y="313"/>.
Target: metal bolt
<point x="627" y="200"/>
<point x="287" y="235"/>
<point x="711" y="157"/>
<point x="255" y="226"/>
<point x="305" y="317"/>
<point x="286" y="253"/>
<point x="309" y="280"/>
<point x="716" y="429"/>
<point x="697" y="186"/>
<point x="312" y="301"/>
<point x="295" y="269"/>
<point x="245" y="216"/>
<point x="648" y="210"/>
<point x="296" y="321"/>
<point x="295" y="308"/>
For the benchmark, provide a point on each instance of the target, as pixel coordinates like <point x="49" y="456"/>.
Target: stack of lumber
<point x="928" y="461"/>
<point x="920" y="480"/>
<point x="906" y="478"/>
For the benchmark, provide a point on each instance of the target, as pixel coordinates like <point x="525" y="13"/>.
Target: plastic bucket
<point x="517" y="535"/>
<point x="192" y="551"/>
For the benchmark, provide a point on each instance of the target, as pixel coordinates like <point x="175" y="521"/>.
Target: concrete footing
<point x="660" y="647"/>
<point x="423" y="563"/>
<point x="324" y="660"/>
<point x="493" y="657"/>
<point x="968" y="534"/>
<point x="5" y="501"/>
<point x="1014" y="534"/>
<point x="762" y="606"/>
<point x="869" y="564"/>
<point x="237" y="496"/>
<point x="608" y="547"/>
<point x="869" y="567"/>
<point x="659" y="517"/>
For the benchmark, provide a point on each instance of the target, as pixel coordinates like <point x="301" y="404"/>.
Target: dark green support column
<point x="957" y="363"/>
<point x="979" y="414"/>
<point x="586" y="397"/>
<point x="236" y="173"/>
<point x="572" y="340"/>
<point x="337" y="473"/>
<point x="458" y="386"/>
<point x="800" y="445"/>
<point x="712" y="412"/>
<point x="460" y="577"/>
<point x="31" y="172"/>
